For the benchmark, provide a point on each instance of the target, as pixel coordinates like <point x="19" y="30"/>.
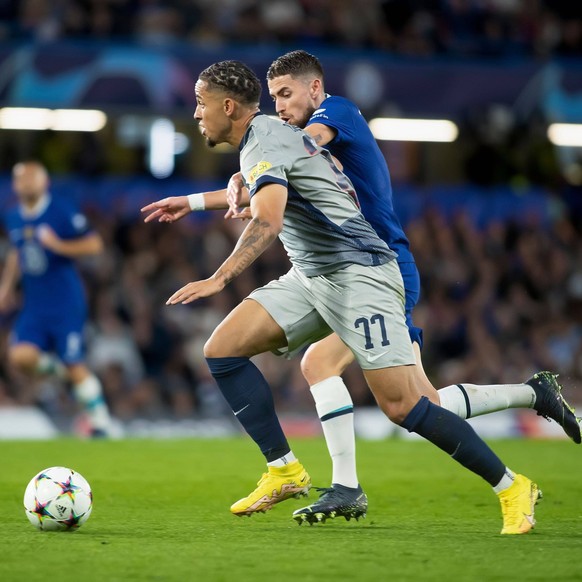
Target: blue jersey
<point x="50" y="282"/>
<point x="355" y="147"/>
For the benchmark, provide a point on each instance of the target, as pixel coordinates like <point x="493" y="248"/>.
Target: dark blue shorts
<point x="61" y="334"/>
<point x="411" y="280"/>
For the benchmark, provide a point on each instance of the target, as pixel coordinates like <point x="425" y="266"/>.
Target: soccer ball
<point x="58" y="499"/>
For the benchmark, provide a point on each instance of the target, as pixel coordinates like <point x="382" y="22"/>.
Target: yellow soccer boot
<point x="279" y="484"/>
<point x="517" y="505"/>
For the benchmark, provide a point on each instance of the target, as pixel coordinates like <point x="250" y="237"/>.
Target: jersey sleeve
<point x="337" y="114"/>
<point x="7" y="226"/>
<point x="263" y="161"/>
<point x="72" y="223"/>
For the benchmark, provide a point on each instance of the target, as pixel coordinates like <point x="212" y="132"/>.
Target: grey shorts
<point x="364" y="306"/>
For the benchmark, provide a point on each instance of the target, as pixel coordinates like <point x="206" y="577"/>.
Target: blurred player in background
<point x="46" y="235"/>
<point x="343" y="278"/>
<point x="296" y="85"/>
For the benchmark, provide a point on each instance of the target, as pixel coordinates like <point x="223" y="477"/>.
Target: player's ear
<point x="315" y="88"/>
<point x="228" y="106"/>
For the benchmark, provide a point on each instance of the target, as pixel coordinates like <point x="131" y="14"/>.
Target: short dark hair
<point x="296" y="64"/>
<point x="31" y="162"/>
<point x="234" y="78"/>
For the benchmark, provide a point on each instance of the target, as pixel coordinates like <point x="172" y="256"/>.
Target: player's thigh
<point x="247" y="330"/>
<point x="327" y="357"/>
<point x="365" y="307"/>
<point x="422" y="381"/>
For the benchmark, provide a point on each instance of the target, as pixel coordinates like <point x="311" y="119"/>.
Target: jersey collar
<point x="243" y="141"/>
<point x="37" y="209"/>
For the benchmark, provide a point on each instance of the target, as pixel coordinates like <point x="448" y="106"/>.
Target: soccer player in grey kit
<point x="344" y="279"/>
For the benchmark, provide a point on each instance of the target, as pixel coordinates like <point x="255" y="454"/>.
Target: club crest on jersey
<point x="28" y="232"/>
<point x="257" y="170"/>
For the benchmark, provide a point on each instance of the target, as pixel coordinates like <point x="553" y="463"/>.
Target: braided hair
<point x="235" y="79"/>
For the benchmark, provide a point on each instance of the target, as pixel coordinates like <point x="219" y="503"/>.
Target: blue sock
<point x="456" y="437"/>
<point x="251" y="400"/>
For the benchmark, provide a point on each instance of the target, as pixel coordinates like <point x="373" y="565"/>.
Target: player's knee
<point x="215" y="348"/>
<point x="309" y="370"/>
<point x="316" y="368"/>
<point x="78" y="373"/>
<point x="209" y="349"/>
<point x="23" y="359"/>
<point x="395" y="410"/>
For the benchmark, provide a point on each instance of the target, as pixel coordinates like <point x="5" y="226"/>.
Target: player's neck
<point x="37" y="207"/>
<point x="240" y="127"/>
<point x="317" y="102"/>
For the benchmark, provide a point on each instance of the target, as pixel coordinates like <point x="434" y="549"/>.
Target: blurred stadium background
<point x="494" y="217"/>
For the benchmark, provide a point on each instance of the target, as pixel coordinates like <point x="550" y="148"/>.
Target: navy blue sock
<point x="456" y="437"/>
<point x="251" y="400"/>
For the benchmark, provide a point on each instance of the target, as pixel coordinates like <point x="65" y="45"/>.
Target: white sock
<point x="282" y="461"/>
<point x="89" y="394"/>
<point x="506" y="481"/>
<point x="470" y="400"/>
<point x="336" y="412"/>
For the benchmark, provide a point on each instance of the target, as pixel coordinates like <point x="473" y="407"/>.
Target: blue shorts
<point x="61" y="334"/>
<point x="411" y="280"/>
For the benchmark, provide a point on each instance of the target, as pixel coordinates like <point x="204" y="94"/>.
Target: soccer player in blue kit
<point x="296" y="85"/>
<point x="46" y="235"/>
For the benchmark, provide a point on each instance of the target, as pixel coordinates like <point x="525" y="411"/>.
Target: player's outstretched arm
<point x="175" y="207"/>
<point x="267" y="208"/>
<point x="10" y="275"/>
<point x="90" y="244"/>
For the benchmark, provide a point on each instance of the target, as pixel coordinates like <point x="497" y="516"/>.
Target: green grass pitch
<point x="161" y="513"/>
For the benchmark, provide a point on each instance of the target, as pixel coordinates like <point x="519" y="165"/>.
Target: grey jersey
<point x="323" y="228"/>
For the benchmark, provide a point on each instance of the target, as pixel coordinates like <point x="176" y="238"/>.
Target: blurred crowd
<point x="498" y="303"/>
<point x="408" y="27"/>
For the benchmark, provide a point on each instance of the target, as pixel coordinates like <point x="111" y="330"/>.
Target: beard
<point x="308" y="115"/>
<point x="29" y="196"/>
<point x="211" y="143"/>
<point x="302" y="121"/>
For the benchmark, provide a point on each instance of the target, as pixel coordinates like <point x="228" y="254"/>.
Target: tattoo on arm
<point x="318" y="138"/>
<point x="256" y="237"/>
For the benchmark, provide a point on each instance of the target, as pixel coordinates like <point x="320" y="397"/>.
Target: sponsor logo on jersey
<point x="319" y="114"/>
<point x="257" y="170"/>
